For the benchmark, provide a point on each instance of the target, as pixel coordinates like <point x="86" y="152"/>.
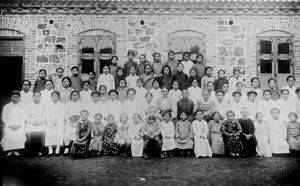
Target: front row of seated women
<point x="156" y="134"/>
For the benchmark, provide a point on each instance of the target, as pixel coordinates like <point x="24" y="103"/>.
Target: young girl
<point x="218" y="83"/>
<point x="156" y="91"/>
<point x="148" y="77"/>
<point x="231" y="130"/>
<point x="106" y="79"/>
<point x="166" y="79"/>
<point x="76" y="80"/>
<point x="96" y="143"/>
<point x="120" y="75"/>
<point x="265" y="105"/>
<point x="293" y="132"/>
<point x="291" y="87"/>
<point x="175" y="93"/>
<point x="14" y="117"/>
<point x="227" y="94"/>
<point x="172" y="62"/>
<point x="80" y="146"/>
<point x="157" y="65"/>
<point x="109" y="134"/>
<point x="122" y="90"/>
<point x="114" y="65"/>
<point x="58" y="78"/>
<point x="278" y="133"/>
<point x="247" y="137"/>
<point x="46" y="94"/>
<point x="135" y="132"/>
<point x="73" y="110"/>
<point x="164" y="103"/>
<point x="113" y="106"/>
<point x="131" y="105"/>
<point x="131" y="78"/>
<point x="26" y="93"/>
<point x="36" y="126"/>
<point x="195" y="91"/>
<point x="221" y="105"/>
<point x="236" y="77"/>
<point x="168" y="133"/>
<point x="184" y="135"/>
<point x="193" y="76"/>
<point x="240" y="88"/>
<point x="275" y="94"/>
<point x="252" y="104"/>
<point x="140" y="69"/>
<point x="215" y="134"/>
<point x="187" y="63"/>
<point x="206" y="105"/>
<point x="146" y="104"/>
<point x="103" y="94"/>
<point x="208" y="77"/>
<point x="39" y="84"/>
<point x="93" y="81"/>
<point x="181" y="77"/>
<point x="263" y="147"/>
<point x="200" y="66"/>
<point x="210" y="89"/>
<point x="140" y="91"/>
<point x="85" y="94"/>
<point x="130" y="63"/>
<point x="65" y="92"/>
<point x="236" y="104"/>
<point x="200" y="130"/>
<point x="285" y="105"/>
<point x="55" y="118"/>
<point x="95" y="106"/>
<point x="122" y="136"/>
<point x="255" y="86"/>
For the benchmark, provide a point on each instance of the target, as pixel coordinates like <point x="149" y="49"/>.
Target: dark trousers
<point x="152" y="146"/>
<point x="80" y="148"/>
<point x="35" y="142"/>
<point x="249" y="146"/>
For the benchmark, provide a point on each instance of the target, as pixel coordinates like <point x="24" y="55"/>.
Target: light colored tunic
<point x="187" y="66"/>
<point x="222" y="107"/>
<point x="168" y="133"/>
<point x="201" y="147"/>
<point x="58" y="83"/>
<point x="156" y="94"/>
<point x="95" y="108"/>
<point x="297" y="105"/>
<point x="131" y="81"/>
<point x="263" y="148"/>
<point x="215" y="137"/>
<point x="265" y="107"/>
<point x="73" y="109"/>
<point x="175" y="95"/>
<point x="46" y="96"/>
<point x="131" y="107"/>
<point x="292" y="90"/>
<point x="253" y="108"/>
<point x="144" y="108"/>
<point x="236" y="107"/>
<point x="140" y="94"/>
<point x="122" y="135"/>
<point x="114" y="108"/>
<point x="278" y="136"/>
<point x="232" y="83"/>
<point x="195" y="93"/>
<point x="286" y="107"/>
<point x="13" y="114"/>
<point x="107" y="80"/>
<point x="184" y="135"/>
<point x="85" y="96"/>
<point x="135" y="132"/>
<point x="55" y="118"/>
<point x="36" y="114"/>
<point x="65" y="94"/>
<point x="26" y="97"/>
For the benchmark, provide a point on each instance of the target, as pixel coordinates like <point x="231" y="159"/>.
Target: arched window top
<point x="10" y="32"/>
<point x="95" y="32"/>
<point x="185" y="33"/>
<point x="274" y="33"/>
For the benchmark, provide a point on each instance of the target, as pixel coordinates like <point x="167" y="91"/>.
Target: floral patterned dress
<point x="96" y="143"/>
<point x="231" y="131"/>
<point x="109" y="145"/>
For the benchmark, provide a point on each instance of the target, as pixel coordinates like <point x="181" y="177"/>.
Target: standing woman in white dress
<point x="14" y="117"/>
<point x="131" y="105"/>
<point x="26" y="93"/>
<point x="46" y="94"/>
<point x="55" y="118"/>
<point x="73" y="110"/>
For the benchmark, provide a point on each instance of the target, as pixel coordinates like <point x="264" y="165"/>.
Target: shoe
<point x="98" y="154"/>
<point x="16" y="153"/>
<point x="145" y="156"/>
<point x="162" y="155"/>
<point x="66" y="152"/>
<point x="57" y="152"/>
<point x="40" y="154"/>
<point x="171" y="155"/>
<point x="9" y="154"/>
<point x="181" y="153"/>
<point x="189" y="153"/>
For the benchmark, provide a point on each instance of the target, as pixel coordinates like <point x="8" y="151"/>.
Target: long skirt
<point x="54" y="136"/>
<point x="110" y="147"/>
<point x="263" y="148"/>
<point x="249" y="146"/>
<point x="168" y="144"/>
<point x="80" y="148"/>
<point x="137" y="147"/>
<point x="233" y="144"/>
<point x="35" y="142"/>
<point x="152" y="146"/>
<point x="70" y="131"/>
<point x="13" y="140"/>
<point x="217" y="144"/>
<point x="279" y="145"/>
<point x="202" y="147"/>
<point x="96" y="143"/>
<point x="186" y="143"/>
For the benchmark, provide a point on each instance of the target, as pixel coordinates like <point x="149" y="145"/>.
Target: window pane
<point x="87" y="45"/>
<point x="265" y="66"/>
<point x="87" y="65"/>
<point x="283" y="48"/>
<point x="106" y="45"/>
<point x="104" y="62"/>
<point x="265" y="47"/>
<point x="284" y="66"/>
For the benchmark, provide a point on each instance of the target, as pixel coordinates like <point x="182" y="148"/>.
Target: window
<point x="187" y="41"/>
<point x="95" y="51"/>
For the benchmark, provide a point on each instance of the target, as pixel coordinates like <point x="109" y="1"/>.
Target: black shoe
<point x="145" y="156"/>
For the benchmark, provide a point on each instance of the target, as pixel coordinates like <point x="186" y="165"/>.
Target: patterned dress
<point x="109" y="145"/>
<point x="215" y="137"/>
<point x="293" y="133"/>
<point x="231" y="131"/>
<point x="96" y="143"/>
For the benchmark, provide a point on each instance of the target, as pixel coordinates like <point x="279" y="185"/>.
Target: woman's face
<point x="149" y="98"/>
<point x="148" y="69"/>
<point x="123" y="118"/>
<point x="166" y="71"/>
<point x="15" y="98"/>
<point x="91" y="75"/>
<point x="155" y="85"/>
<point x="157" y="57"/>
<point x="120" y="72"/>
<point x="164" y="92"/>
<point x="113" y="96"/>
<point x="105" y="70"/>
<point x="49" y="85"/>
<point x="220" y="96"/>
<point x="210" y="87"/>
<point x="237" y="98"/>
<point x="95" y="98"/>
<point x="205" y="96"/>
<point x="199" y="59"/>
<point x="26" y="86"/>
<point x="102" y="90"/>
<point x="75" y="96"/>
<point x="285" y="95"/>
<point x="185" y="94"/>
<point x="272" y="84"/>
<point x="37" y="97"/>
<point x="66" y="83"/>
<point x="122" y="84"/>
<point x="216" y="117"/>
<point x="111" y="120"/>
<point x="54" y="98"/>
<point x="209" y="72"/>
<point x="255" y="83"/>
<point x="136" y="119"/>
<point x="186" y="57"/>
<point x="193" y="73"/>
<point x="221" y="74"/>
<point x="142" y="59"/>
<point x="131" y="95"/>
<point x="171" y="56"/>
<point x="230" y="116"/>
<point x="260" y="117"/>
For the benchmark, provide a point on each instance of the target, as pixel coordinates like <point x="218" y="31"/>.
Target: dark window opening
<point x="104" y="62"/>
<point x="265" y="66"/>
<point x="283" y="48"/>
<point x="265" y="47"/>
<point x="284" y="66"/>
<point x="87" y="65"/>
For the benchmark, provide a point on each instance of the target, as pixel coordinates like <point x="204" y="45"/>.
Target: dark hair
<point x="194" y="70"/>
<point x="236" y="69"/>
<point x="114" y="57"/>
<point x="95" y="92"/>
<point x="163" y="73"/>
<point x="230" y="111"/>
<point x="271" y="79"/>
<point x="75" y="67"/>
<point x="15" y="92"/>
<point x="42" y="70"/>
<point x="131" y="89"/>
<point x="140" y="79"/>
<point x="221" y="70"/>
<point x="199" y="110"/>
<point x="267" y="90"/>
<point x="88" y="82"/>
<point x="49" y="80"/>
<point x="171" y="52"/>
<point x="208" y="67"/>
<point x="73" y="92"/>
<point x="293" y="113"/>
<point x="290" y="76"/>
<point x="255" y="78"/>
<point x="282" y="90"/>
<point x="166" y="113"/>
<point x="156" y="80"/>
<point x="165" y="87"/>
<point x="180" y="64"/>
<point x="175" y="81"/>
<point x="143" y="55"/>
<point x="148" y="65"/>
<point x="93" y="72"/>
<point x="214" y="113"/>
<point x="209" y="83"/>
<point x="120" y="68"/>
<point x="106" y="65"/>
<point x="130" y="52"/>
<point x="26" y="81"/>
<point x="85" y="111"/>
<point x="198" y="55"/>
<point x="60" y="69"/>
<point x="122" y="80"/>
<point x="149" y="93"/>
<point x="102" y="86"/>
<point x="55" y="92"/>
<point x="113" y="91"/>
<point x="186" y="52"/>
<point x="67" y="78"/>
<point x="218" y="91"/>
<point x="239" y="82"/>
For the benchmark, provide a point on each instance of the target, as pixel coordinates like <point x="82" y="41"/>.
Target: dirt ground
<point x="137" y="171"/>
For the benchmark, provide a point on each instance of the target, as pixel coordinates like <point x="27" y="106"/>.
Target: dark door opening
<point x="11" y="77"/>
